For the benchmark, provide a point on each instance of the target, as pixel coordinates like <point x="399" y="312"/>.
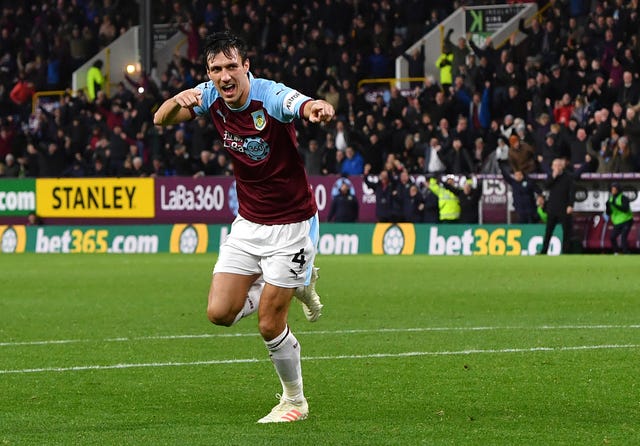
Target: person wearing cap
<point x="522" y="156"/>
<point x="619" y="210"/>
<point x="559" y="82"/>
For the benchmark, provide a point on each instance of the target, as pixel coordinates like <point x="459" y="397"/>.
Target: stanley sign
<point x="95" y="198"/>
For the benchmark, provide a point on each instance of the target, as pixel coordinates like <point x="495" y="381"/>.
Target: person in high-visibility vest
<point x="95" y="80"/>
<point x="448" y="201"/>
<point x="541" y="208"/>
<point x="619" y="209"/>
<point x="445" y="65"/>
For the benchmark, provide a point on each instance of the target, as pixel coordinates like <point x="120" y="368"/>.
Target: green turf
<point x="410" y="350"/>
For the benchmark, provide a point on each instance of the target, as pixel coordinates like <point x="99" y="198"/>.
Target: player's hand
<point x="189" y="98"/>
<point x="321" y="111"/>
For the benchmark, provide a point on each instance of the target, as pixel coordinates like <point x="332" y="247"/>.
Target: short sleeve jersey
<point x="260" y="138"/>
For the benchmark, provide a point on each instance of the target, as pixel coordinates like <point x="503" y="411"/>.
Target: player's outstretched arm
<point x="178" y="108"/>
<point x="318" y="111"/>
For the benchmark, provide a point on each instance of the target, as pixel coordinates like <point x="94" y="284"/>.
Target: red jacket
<point x="22" y="92"/>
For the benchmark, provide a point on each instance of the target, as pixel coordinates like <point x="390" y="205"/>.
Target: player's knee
<point x="267" y="327"/>
<point x="218" y="317"/>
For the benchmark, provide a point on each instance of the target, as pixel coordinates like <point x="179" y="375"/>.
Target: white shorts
<point x="283" y="254"/>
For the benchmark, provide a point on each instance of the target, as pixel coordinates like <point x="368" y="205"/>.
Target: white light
<point x="131" y="68"/>
<point x="140" y="90"/>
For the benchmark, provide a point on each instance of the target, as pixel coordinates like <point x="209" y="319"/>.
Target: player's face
<point x="229" y="74"/>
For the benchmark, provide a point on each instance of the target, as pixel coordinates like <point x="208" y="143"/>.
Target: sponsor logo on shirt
<point x="254" y="147"/>
<point x="290" y="100"/>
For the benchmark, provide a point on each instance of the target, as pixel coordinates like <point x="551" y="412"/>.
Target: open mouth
<point x="228" y="89"/>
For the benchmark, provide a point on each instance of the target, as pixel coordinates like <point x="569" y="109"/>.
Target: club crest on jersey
<point x="259" y="119"/>
<point x="256" y="148"/>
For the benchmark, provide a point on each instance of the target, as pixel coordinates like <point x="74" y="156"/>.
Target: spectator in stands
<point x="383" y="190"/>
<point x="593" y="48"/>
<point x="223" y="166"/>
<point x="602" y="157"/>
<point x="578" y="147"/>
<point x="203" y="166"/>
<point x="457" y="159"/>
<point x="413" y="205"/>
<point x="563" y="110"/>
<point x="460" y="52"/>
<point x="51" y="161"/>
<point x="342" y="135"/>
<point x="11" y="168"/>
<point x="629" y="92"/>
<point x="180" y="162"/>
<point x="353" y="163"/>
<point x="433" y="162"/>
<point x="501" y="153"/>
<point x="445" y="64"/>
<point x="21" y="95"/>
<point x="312" y="156"/>
<point x="622" y="159"/>
<point x="522" y="156"/>
<point x="431" y="206"/>
<point x="7" y="136"/>
<point x="448" y="201"/>
<point x="95" y="80"/>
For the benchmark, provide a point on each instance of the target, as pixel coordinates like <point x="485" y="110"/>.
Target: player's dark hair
<point x="224" y="42"/>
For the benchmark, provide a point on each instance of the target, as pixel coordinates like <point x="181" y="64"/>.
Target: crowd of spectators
<point x="570" y="89"/>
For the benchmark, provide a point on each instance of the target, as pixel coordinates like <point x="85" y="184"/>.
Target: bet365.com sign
<point x="460" y="239"/>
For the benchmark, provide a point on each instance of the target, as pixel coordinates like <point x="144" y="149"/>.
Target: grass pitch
<point x="116" y="350"/>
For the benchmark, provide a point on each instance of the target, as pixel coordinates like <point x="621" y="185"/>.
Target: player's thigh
<point x="227" y="294"/>
<point x="294" y="249"/>
<point x="236" y="269"/>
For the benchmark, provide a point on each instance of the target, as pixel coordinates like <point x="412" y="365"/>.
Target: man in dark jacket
<point x="524" y="191"/>
<point x="344" y="207"/>
<point x="559" y="205"/>
<point x="384" y="191"/>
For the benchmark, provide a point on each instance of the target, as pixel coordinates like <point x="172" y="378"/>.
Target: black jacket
<point x="561" y="194"/>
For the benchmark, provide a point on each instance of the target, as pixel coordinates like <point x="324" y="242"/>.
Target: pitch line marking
<point x="319" y="332"/>
<point x="322" y="358"/>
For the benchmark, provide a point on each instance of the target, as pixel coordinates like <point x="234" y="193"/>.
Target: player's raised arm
<point x="178" y="108"/>
<point x="318" y="111"/>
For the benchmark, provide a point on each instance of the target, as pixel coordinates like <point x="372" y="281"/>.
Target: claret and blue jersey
<point x="260" y="137"/>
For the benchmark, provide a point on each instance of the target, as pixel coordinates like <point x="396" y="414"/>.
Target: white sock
<point x="284" y="351"/>
<point x="252" y="301"/>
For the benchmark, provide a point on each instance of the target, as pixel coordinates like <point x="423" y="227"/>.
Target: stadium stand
<point x="578" y="67"/>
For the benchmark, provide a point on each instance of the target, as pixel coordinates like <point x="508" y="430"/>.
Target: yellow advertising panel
<point x="95" y="197"/>
<point x="394" y="239"/>
<point x="189" y="239"/>
<point x="13" y="239"/>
